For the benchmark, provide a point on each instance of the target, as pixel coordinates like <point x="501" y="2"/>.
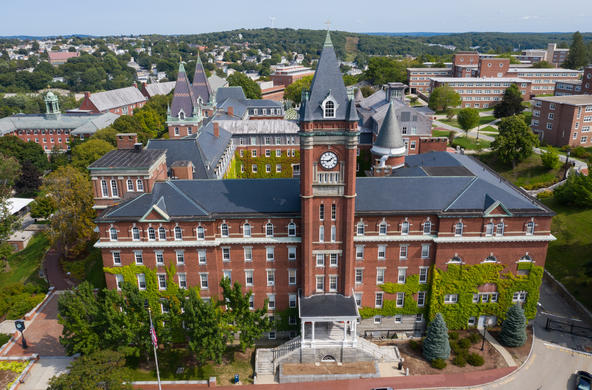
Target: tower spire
<point x="328" y="39"/>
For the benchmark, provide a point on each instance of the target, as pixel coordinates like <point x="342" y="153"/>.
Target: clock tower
<point x="328" y="151"/>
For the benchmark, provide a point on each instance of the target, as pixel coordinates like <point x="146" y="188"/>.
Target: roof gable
<point x="155" y="213"/>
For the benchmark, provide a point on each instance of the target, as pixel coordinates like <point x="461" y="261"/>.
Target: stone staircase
<point x="266" y="359"/>
<point x="388" y="353"/>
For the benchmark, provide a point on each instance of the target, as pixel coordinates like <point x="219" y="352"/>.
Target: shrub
<point x="4" y="338"/>
<point x="464" y="343"/>
<point x="550" y="158"/>
<point x="438" y="363"/>
<point x="453" y="335"/>
<point x="474" y="359"/>
<point x="459" y="360"/>
<point x="475" y="337"/>
<point x="454" y="347"/>
<point x="545" y="194"/>
<point x="577" y="191"/>
<point x="415" y="345"/>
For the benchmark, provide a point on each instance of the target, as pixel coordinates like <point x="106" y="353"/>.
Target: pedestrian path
<point x="504" y="352"/>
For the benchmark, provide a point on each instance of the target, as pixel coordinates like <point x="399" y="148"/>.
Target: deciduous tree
<point x="511" y="103"/>
<point x="443" y="97"/>
<point x="436" y="344"/>
<point x="88" y="152"/>
<point x="515" y="140"/>
<point x="9" y="172"/>
<point x="468" y="118"/>
<point x="293" y="91"/>
<point x="550" y="158"/>
<point x="577" y="191"/>
<point x="251" y="88"/>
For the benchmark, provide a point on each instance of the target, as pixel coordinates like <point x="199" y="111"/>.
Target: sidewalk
<point x="504" y="352"/>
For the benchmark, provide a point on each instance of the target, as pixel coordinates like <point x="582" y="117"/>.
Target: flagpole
<point x="152" y="338"/>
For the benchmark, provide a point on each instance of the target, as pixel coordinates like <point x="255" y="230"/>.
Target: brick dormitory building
<point x="328" y="247"/>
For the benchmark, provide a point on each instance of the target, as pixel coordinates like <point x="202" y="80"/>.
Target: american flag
<point x="153" y="337"/>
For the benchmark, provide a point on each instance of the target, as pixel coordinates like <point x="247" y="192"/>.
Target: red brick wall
<point x="47" y="139"/>
<point x="493" y="67"/>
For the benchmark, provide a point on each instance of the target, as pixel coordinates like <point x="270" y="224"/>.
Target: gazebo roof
<point x="326" y="306"/>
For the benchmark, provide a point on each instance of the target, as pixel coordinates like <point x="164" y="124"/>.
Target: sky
<point x="124" y="17"/>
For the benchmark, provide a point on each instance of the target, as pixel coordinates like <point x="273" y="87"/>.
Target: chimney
<point x="216" y="129"/>
<point x="182" y="170"/>
<point x="230" y="111"/>
<point x="86" y="94"/>
<point x="127" y="141"/>
<point x="138" y="147"/>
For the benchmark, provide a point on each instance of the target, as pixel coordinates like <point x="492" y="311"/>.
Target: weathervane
<point x="328" y="23"/>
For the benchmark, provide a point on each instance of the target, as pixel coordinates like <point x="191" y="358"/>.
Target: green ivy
<point x="152" y="292"/>
<point x="282" y="319"/>
<point x="247" y="161"/>
<point x="389" y="306"/>
<point x="465" y="280"/>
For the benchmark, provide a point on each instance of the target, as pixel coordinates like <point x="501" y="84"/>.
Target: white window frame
<point x="378" y="300"/>
<point x="400" y="299"/>
<point x="423" y="274"/>
<point x="202" y="257"/>
<point x="421" y="298"/>
<point x="141" y="278"/>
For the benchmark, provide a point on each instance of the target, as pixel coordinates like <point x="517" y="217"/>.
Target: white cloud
<point x="529" y="17"/>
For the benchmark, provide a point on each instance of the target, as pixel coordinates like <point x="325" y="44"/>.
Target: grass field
<point x="470" y="143"/>
<point x="489" y="129"/>
<point x="23" y="266"/>
<point x="482" y="120"/>
<point x="569" y="257"/>
<point x="529" y="173"/>
<point x="440" y="133"/>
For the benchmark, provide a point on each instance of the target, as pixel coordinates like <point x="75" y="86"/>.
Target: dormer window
<point x="181" y="115"/>
<point x="329" y="109"/>
<point x="490" y="259"/>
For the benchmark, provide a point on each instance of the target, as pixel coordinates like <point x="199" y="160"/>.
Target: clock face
<point x="328" y="160"/>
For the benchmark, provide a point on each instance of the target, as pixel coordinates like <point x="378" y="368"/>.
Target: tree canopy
<point x="382" y="70"/>
<point x="443" y="97"/>
<point x="293" y="91"/>
<point x="515" y="140"/>
<point x="578" y="56"/>
<point x="468" y="118"/>
<point x="511" y="103"/>
<point x="577" y="191"/>
<point x="436" y="344"/>
<point x="251" y="88"/>
<point x="88" y="152"/>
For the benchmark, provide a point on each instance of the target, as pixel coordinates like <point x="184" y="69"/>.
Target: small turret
<point x="52" y="105"/>
<point x="389" y="148"/>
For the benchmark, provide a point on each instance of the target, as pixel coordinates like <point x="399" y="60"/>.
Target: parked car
<point x="583" y="380"/>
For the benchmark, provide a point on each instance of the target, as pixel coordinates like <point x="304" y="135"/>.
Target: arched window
<point x="458" y="229"/>
<point x="530" y="228"/>
<point x="200" y="233"/>
<point x="224" y="230"/>
<point x="181" y="115"/>
<point x="427" y="227"/>
<point x="360" y="229"/>
<point x="161" y="233"/>
<point x="130" y="185"/>
<point x="104" y="188"/>
<point x="151" y="234"/>
<point x="329" y="109"/>
<point x="269" y="230"/>
<point x="135" y="234"/>
<point x="291" y="229"/>
<point x="490" y="259"/>
<point x="405" y="227"/>
<point x="178" y="233"/>
<point x="382" y="228"/>
<point x="246" y="230"/>
<point x="455" y="259"/>
<point x="113" y="234"/>
<point x="140" y="185"/>
<point x="526" y="258"/>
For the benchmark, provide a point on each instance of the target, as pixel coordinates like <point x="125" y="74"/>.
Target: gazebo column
<point x="313" y="331"/>
<point x="344" y="332"/>
<point x="302" y="329"/>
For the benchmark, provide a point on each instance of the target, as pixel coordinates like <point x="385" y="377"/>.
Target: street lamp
<point x="20" y="326"/>
<point x="484" y="331"/>
<point x="154" y="341"/>
<point x="566" y="165"/>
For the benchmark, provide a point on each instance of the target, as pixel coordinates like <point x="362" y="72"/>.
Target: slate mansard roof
<point x="437" y="182"/>
<point x="78" y="123"/>
<point x="127" y="159"/>
<point x="108" y="100"/>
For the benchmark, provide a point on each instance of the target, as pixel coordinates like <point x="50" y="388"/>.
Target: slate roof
<point x="327" y="81"/>
<point x="235" y="97"/>
<point x="108" y="100"/>
<point x="263" y="126"/>
<point x="127" y="158"/>
<point x="328" y="305"/>
<point x="457" y="191"/>
<point x="389" y="136"/>
<point x="159" y="88"/>
<point x="78" y="123"/>
<point x="203" y="149"/>
<point x="216" y="82"/>
<point x="201" y="87"/>
<point x="183" y="97"/>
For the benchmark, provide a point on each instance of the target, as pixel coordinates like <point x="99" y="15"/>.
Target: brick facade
<point x="563" y="120"/>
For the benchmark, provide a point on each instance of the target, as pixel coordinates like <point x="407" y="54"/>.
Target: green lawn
<point x="23" y="266"/>
<point x="482" y="120"/>
<point x="529" y="173"/>
<point x="88" y="268"/>
<point x="470" y="143"/>
<point x="234" y="362"/>
<point x="489" y="129"/>
<point x="440" y="133"/>
<point x="569" y="258"/>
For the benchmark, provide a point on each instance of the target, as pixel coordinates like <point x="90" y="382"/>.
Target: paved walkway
<point x="54" y="272"/>
<point x="43" y="370"/>
<point x="504" y="352"/>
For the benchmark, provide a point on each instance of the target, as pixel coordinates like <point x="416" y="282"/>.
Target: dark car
<point x="583" y="380"/>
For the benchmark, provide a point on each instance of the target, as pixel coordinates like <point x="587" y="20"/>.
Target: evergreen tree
<point x="513" y="332"/>
<point x="511" y="103"/>
<point x="515" y="140"/>
<point x="578" y="53"/>
<point x="436" y="344"/>
<point x="248" y="324"/>
<point x="29" y="181"/>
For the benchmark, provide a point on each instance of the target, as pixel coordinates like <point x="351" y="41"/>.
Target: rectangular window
<point x="380" y="275"/>
<point x="104" y="188"/>
<point x="267" y="153"/>
<point x="320" y="260"/>
<point x="377" y="320"/>
<point x="203" y="281"/>
<point x="292" y="276"/>
<point x="359" y="252"/>
<point x="138" y="257"/>
<point x="320" y="283"/>
<point x="381" y="252"/>
<point x="333" y="212"/>
<point x="114" y="191"/>
<point x="419" y="317"/>
<point x="119" y="281"/>
<point x="398" y="318"/>
<point x="378" y="300"/>
<point x="182" y="280"/>
<point x="450" y="298"/>
<point x="248" y="277"/>
<point x="201" y="256"/>
<point x="333" y="260"/>
<point x="135" y="234"/>
<point x="225" y="254"/>
<point x="321" y="212"/>
<point x="423" y="274"/>
<point x="358" y="297"/>
<point x="400" y="299"/>
<point x="116" y="258"/>
<point x="162" y="282"/>
<point x="425" y="251"/>
<point x="159" y="257"/>
<point x="530" y="228"/>
<point x="475" y="298"/>
<point x="519" y="296"/>
<point x="140" y="185"/>
<point x="332" y="283"/>
<point x="333" y="233"/>
<point x="359" y="275"/>
<point x="248" y="253"/>
<point x="180" y="257"/>
<point x="489" y="229"/>
<point x="403" y="251"/>
<point x="270" y="277"/>
<point x="421" y="298"/>
<point x="141" y="281"/>
<point x="458" y="229"/>
<point x="200" y="233"/>
<point x="402" y="276"/>
<point x="269" y="253"/>
<point x="499" y="230"/>
<point x="291" y="253"/>
<point x="292" y="300"/>
<point x="360" y="229"/>
<point x="227" y="274"/>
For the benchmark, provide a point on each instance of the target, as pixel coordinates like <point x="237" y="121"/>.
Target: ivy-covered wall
<point x="464" y="281"/>
<point x="247" y="161"/>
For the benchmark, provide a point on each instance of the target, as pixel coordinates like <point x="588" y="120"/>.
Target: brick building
<point x="54" y="128"/>
<point x="563" y="120"/>
<point x="419" y="78"/>
<point x="286" y="75"/>
<point x="122" y="101"/>
<point x="154" y="89"/>
<point x="61" y="57"/>
<point x="329" y="237"/>
<point x="576" y="87"/>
